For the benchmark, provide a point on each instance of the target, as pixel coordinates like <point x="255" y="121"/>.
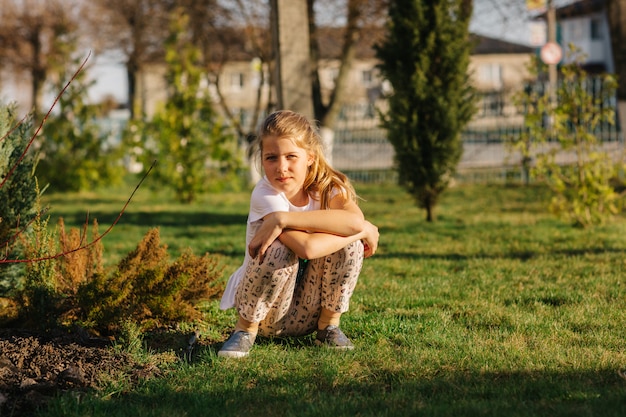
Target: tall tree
<point x="425" y="57"/>
<point x="36" y="37"/>
<point x="358" y="17"/>
<point x="194" y="151"/>
<point x="616" y="11"/>
<point x="235" y="31"/>
<point x="136" y="29"/>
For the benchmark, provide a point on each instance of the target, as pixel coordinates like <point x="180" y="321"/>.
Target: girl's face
<point x="286" y="165"/>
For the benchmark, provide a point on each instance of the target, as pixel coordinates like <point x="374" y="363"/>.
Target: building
<point x="499" y="69"/>
<point x="585" y="25"/>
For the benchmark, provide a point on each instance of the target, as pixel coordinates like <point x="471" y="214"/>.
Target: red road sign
<point x="551" y="53"/>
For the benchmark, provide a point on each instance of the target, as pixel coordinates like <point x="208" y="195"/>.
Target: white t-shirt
<point x="264" y="200"/>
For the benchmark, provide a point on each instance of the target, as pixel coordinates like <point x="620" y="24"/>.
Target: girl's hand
<point x="370" y="239"/>
<point x="267" y="233"/>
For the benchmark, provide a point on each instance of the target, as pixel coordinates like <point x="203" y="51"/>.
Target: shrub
<point x="148" y="289"/>
<point x="39" y="297"/>
<point x="145" y="288"/>
<point x="562" y="144"/>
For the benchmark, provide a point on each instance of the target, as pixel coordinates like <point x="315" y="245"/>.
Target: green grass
<point x="495" y="309"/>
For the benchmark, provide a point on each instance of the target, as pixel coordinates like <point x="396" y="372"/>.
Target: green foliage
<point x="194" y="151"/>
<point x="147" y="289"/>
<point x="75" y="152"/>
<point x="19" y="193"/>
<point x="39" y="298"/>
<point x="560" y="144"/>
<point x="425" y="57"/>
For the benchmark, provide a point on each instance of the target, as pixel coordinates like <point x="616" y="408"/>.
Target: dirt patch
<point x="36" y="367"/>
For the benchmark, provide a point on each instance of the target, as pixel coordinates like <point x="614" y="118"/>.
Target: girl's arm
<point x="343" y="218"/>
<point x="316" y="245"/>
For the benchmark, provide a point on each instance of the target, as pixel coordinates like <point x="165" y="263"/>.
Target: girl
<point x="306" y="239"/>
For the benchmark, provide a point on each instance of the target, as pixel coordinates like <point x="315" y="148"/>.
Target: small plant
<point x="77" y="267"/>
<point x="45" y="296"/>
<point x="561" y="145"/>
<point x="39" y="296"/>
<point x="145" y="288"/>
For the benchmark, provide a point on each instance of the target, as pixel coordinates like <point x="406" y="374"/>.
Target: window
<point x="490" y="74"/>
<point x="237" y="81"/>
<point x="573" y="31"/>
<point x="596" y="29"/>
<point x="367" y="77"/>
<point x="331" y="77"/>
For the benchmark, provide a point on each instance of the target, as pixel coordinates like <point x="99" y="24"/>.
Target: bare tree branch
<point x="43" y="121"/>
<point x="82" y="245"/>
<point x="83" y="233"/>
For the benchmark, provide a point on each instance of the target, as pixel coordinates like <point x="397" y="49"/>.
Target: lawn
<point x="495" y="309"/>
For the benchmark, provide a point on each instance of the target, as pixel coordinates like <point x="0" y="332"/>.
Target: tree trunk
<point x="131" y="75"/>
<point x="328" y="139"/>
<point x="291" y="49"/>
<point x="348" y="52"/>
<point x="38" y="72"/>
<point x="430" y="215"/>
<point x="616" y="11"/>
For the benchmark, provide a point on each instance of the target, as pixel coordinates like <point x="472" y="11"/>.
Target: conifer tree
<point x="18" y="190"/>
<point x="425" y="57"/>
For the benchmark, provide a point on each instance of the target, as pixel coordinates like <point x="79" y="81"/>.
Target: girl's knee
<point x="353" y="253"/>
<point x="278" y="255"/>
<point x="279" y="261"/>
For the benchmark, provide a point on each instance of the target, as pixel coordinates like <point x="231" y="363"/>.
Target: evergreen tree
<point x="18" y="194"/>
<point x="425" y="57"/>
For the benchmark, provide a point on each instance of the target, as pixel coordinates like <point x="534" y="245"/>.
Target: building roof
<point x="580" y="8"/>
<point x="233" y="45"/>
<point x="576" y="9"/>
<point x="487" y="46"/>
<point x="330" y="42"/>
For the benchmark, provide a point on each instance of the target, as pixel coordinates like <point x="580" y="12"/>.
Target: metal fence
<point x="361" y="148"/>
<point x="367" y="156"/>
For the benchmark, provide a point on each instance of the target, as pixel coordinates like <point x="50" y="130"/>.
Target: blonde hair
<point x="321" y="179"/>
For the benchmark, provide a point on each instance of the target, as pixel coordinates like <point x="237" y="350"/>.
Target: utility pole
<point x="551" y="53"/>
<point x="552" y="74"/>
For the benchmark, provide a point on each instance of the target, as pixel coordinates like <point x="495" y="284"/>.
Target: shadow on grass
<point x="161" y="218"/>
<point x="318" y="392"/>
<point x="514" y="255"/>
